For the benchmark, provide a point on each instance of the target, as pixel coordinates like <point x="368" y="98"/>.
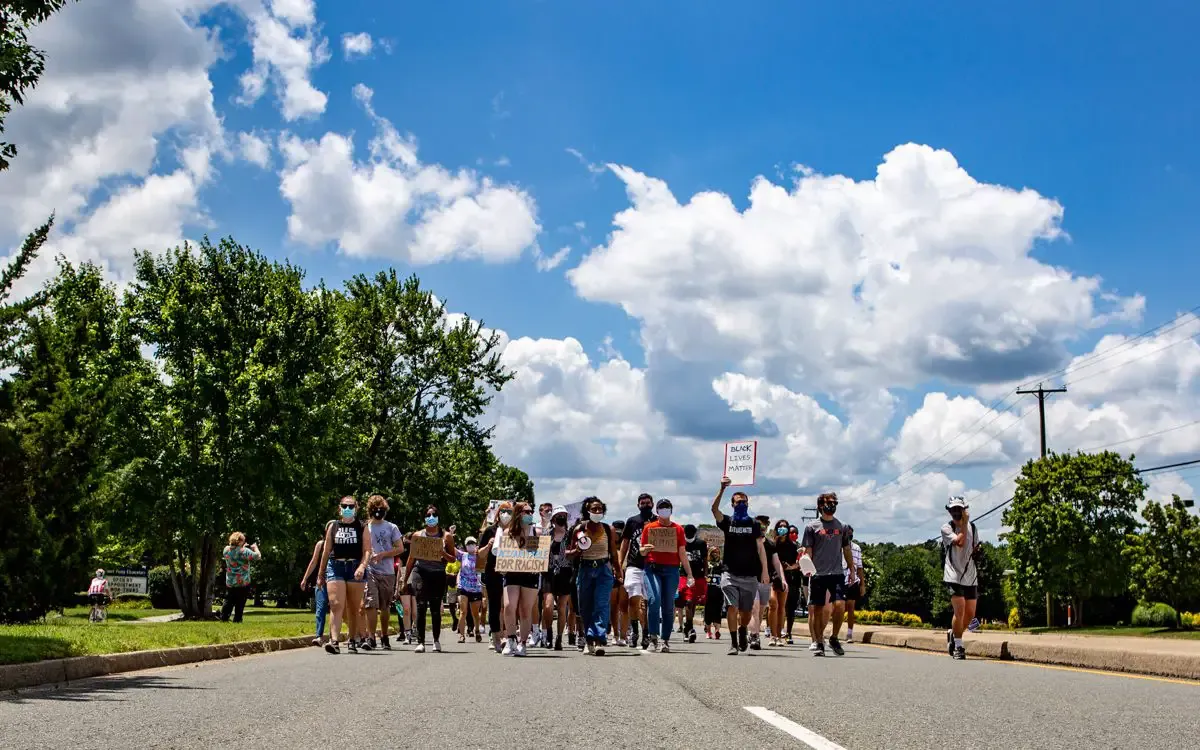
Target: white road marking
<point x="807" y="736"/>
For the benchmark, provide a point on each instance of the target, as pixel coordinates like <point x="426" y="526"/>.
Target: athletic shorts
<point x="970" y="593"/>
<point x="739" y="591"/>
<point x="820" y="586"/>
<point x="524" y="580"/>
<point x="635" y="582"/>
<point x="697" y="594"/>
<point x="472" y="596"/>
<point x="764" y="594"/>
<point x="381" y="590"/>
<point x="561" y="582"/>
<point x="852" y="590"/>
<point x="342" y="570"/>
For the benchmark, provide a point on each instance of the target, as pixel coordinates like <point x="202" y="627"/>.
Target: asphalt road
<point x="694" y="697"/>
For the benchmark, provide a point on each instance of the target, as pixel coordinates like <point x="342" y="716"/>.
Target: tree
<point x="905" y="584"/>
<point x="1164" y="560"/>
<point x="1069" y="518"/>
<point x="232" y="434"/>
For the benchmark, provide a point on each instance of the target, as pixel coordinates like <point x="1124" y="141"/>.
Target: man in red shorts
<point x="697" y="593"/>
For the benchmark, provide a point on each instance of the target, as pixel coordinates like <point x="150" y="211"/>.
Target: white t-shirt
<point x="856" y="553"/>
<point x="959" y="567"/>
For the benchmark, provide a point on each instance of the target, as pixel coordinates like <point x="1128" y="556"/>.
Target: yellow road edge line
<point x="1060" y="667"/>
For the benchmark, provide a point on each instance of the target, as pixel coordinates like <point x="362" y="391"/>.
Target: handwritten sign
<point x="533" y="558"/>
<point x="664" y="540"/>
<point x="741" y="459"/>
<point x="427" y="548"/>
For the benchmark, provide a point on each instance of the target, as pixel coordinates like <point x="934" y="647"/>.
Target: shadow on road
<point x="98" y="689"/>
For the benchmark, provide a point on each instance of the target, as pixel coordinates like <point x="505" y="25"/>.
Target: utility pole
<point x="1041" y="394"/>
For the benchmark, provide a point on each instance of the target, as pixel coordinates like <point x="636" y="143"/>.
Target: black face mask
<point x="956" y="514"/>
<point x="378" y="514"/>
<point x="647" y="513"/>
<point x="560" y="522"/>
<point x="829" y="509"/>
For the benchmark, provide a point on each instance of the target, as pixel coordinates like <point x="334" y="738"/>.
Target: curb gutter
<point x="66" y="671"/>
<point x="1159" y="664"/>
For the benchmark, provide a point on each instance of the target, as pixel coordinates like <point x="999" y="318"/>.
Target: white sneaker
<point x="621" y="643"/>
<point x="420" y="649"/>
<point x="509" y="647"/>
<point x="520" y="649"/>
<point x="437" y="647"/>
<point x="654" y="643"/>
<point x="813" y="646"/>
<point x="849" y="636"/>
<point x="496" y="646"/>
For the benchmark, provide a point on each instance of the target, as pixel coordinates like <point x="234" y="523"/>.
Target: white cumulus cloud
<point x="357" y="45"/>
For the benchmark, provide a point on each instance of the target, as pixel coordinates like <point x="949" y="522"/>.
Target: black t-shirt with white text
<point x="697" y="554"/>
<point x="741" y="546"/>
<point x="633" y="532"/>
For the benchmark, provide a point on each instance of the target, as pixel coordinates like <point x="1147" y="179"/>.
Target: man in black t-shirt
<point x="632" y="563"/>
<point x="745" y="564"/>
<point x="697" y="554"/>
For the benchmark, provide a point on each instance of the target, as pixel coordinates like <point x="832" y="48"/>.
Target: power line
<point x="1131" y="361"/>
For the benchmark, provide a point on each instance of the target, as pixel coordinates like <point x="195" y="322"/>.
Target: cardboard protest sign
<point x="534" y="558"/>
<point x="741" y="459"/>
<point x="491" y="511"/>
<point x="426" y="548"/>
<point x="664" y="540"/>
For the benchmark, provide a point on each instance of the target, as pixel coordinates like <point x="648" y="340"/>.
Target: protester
<point x="855" y="586"/>
<point x="826" y="542"/>
<point x="403" y="594"/>
<point x="541" y="627"/>
<point x="960" y="542"/>
<point x="780" y="586"/>
<point x="745" y="564"/>
<point x="559" y="581"/>
<point x="631" y="563"/>
<point x="520" y="589"/>
<point x="714" y="605"/>
<point x="762" y="602"/>
<point x="662" y="576"/>
<point x="493" y="582"/>
<point x="321" y="606"/>
<point x="428" y="580"/>
<point x="344" y="559"/>
<point x="788" y="552"/>
<point x="594" y="545"/>
<point x="618" y="602"/>
<point x="696" y="594"/>
<point x="470" y="590"/>
<point x="386" y="543"/>
<point x="237" y="575"/>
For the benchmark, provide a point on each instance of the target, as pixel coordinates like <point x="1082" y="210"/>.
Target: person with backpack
<point x="594" y="545"/>
<point x="960" y="545"/>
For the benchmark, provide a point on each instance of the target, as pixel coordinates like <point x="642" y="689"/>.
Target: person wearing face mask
<point x="827" y="543"/>
<point x="470" y="589"/>
<point x="662" y="577"/>
<point x="632" y="564"/>
<point x="386" y="543"/>
<point x="593" y="545"/>
<point x="403" y="594"/>
<point x="541" y="628"/>
<point x="428" y="579"/>
<point x="788" y="553"/>
<point x="779" y="584"/>
<point x="714" y="605"/>
<point x="745" y="565"/>
<point x="618" y="601"/>
<point x="493" y="582"/>
<point x="763" y="600"/>
<point x="557" y="582"/>
<point x="520" y="589"/>
<point x="344" y="560"/>
<point x="960" y="543"/>
<point x="697" y="593"/>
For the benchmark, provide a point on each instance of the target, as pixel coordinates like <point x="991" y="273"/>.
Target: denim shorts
<point x="341" y="570"/>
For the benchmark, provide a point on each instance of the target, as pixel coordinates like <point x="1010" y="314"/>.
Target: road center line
<point x="807" y="736"/>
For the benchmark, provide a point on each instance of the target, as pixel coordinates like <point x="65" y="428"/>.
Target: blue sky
<point x="867" y="306"/>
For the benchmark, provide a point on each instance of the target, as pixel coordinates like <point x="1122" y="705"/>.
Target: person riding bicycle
<point x="99" y="594"/>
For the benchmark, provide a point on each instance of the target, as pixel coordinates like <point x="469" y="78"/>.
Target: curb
<point x="60" y="672"/>
<point x="1158" y="664"/>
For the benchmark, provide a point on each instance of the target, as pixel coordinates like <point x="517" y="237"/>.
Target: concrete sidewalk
<point x="1166" y="657"/>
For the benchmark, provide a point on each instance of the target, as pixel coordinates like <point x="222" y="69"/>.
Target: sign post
<point x="741" y="460"/>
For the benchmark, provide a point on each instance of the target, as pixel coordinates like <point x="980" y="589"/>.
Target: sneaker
<point x="437" y="647"/>
<point x="654" y="645"/>
<point x="591" y="648"/>
<point x="385" y="644"/>
<point x="755" y="644"/>
<point x="479" y="638"/>
<point x="367" y="644"/>
<point x="420" y="649"/>
<point x="621" y="642"/>
<point x="708" y="635"/>
<point x="665" y="648"/>
<point x="743" y="641"/>
<point x="520" y="649"/>
<point x="820" y="650"/>
<point x="961" y="653"/>
<point x="497" y="647"/>
<point x="692" y="636"/>
<point x="950" y="642"/>
<point x="836" y="645"/>
<point x="462" y="638"/>
<point x="352" y="646"/>
<point x="733" y="649"/>
<point x="646" y="641"/>
<point x="333" y="647"/>
<point x="580" y="645"/>
<point x="790" y="642"/>
<point x="717" y="635"/>
<point x="510" y="647"/>
<point x="570" y="639"/>
<point x="316" y="641"/>
<point x="849" y="637"/>
<point x="813" y="646"/>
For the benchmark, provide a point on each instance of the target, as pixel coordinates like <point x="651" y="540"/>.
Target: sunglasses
<point x="351" y="505"/>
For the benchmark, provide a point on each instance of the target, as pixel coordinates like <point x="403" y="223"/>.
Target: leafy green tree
<point x="1069" y="518"/>
<point x="1164" y="560"/>
<point x="905" y="584"/>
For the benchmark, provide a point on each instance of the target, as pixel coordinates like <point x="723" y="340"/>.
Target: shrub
<point x="1189" y="620"/>
<point x="892" y="617"/>
<point x="132" y="601"/>
<point x="1154" y="615"/>
<point x="867" y="616"/>
<point x="910" y="621"/>
<point x="1014" y="618"/>
<point x="160" y="588"/>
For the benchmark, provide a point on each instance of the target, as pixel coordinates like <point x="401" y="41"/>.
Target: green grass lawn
<point x="73" y="635"/>
<point x="1125" y="631"/>
<point x="80" y="614"/>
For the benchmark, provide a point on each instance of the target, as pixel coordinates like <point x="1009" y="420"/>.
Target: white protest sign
<point x="741" y="458"/>
<point x="574" y="512"/>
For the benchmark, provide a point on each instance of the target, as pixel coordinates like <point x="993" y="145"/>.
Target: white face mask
<point x="597" y="517"/>
<point x="471" y="548"/>
<point x="664" y="513"/>
<point x="505" y="518"/>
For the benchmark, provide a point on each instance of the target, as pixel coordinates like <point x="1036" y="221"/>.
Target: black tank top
<point x="347" y="540"/>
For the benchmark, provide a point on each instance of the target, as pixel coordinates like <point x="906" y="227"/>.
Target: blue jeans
<point x="662" y="583"/>
<point x="595" y="587"/>
<point x="322" y="609"/>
